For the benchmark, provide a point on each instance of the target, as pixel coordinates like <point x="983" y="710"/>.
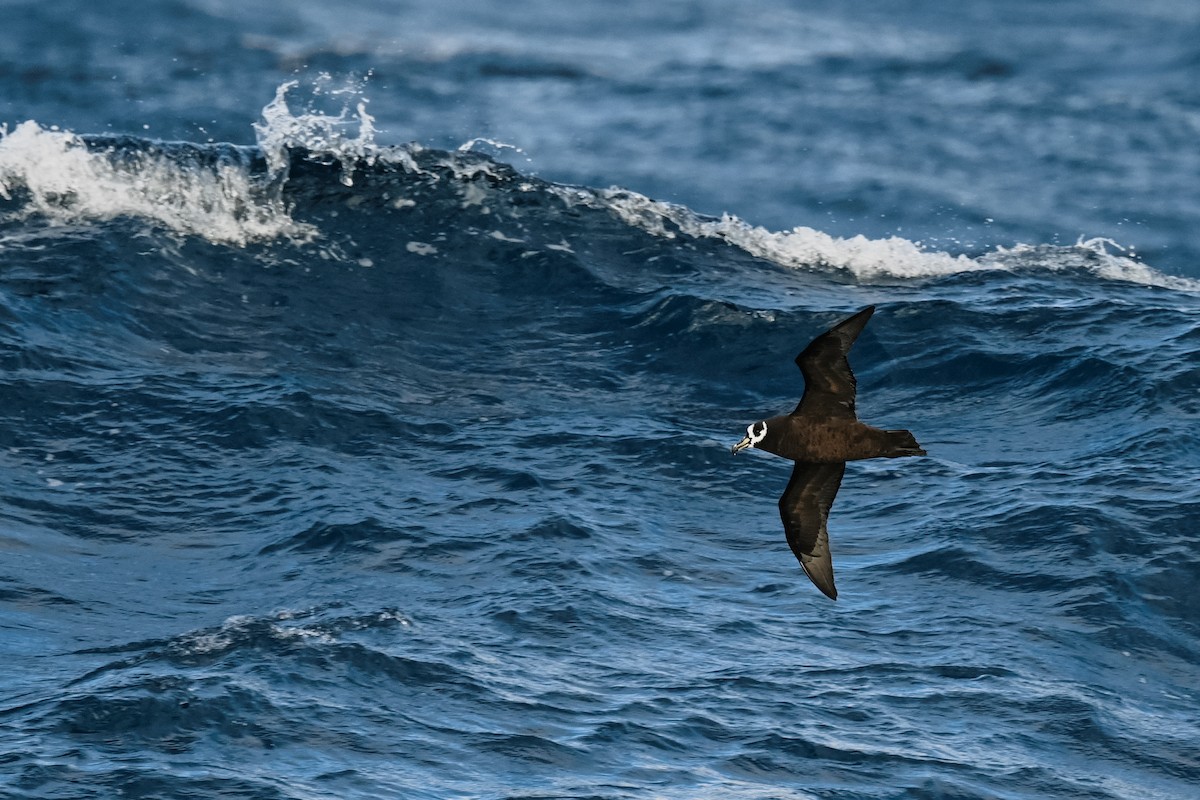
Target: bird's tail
<point x="902" y="443"/>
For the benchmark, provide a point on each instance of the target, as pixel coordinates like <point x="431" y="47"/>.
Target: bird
<point x="820" y="436"/>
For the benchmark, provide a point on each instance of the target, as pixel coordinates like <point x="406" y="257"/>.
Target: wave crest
<point x="236" y="196"/>
<point x="210" y="193"/>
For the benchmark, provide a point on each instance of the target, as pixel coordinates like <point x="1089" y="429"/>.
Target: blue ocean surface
<point x="369" y="372"/>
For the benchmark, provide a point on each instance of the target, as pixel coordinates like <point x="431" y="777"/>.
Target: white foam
<point x="1091" y="255"/>
<point x="69" y="184"/>
<point x="801" y="247"/>
<point x="421" y="248"/>
<point x="868" y="259"/>
<point x="348" y="136"/>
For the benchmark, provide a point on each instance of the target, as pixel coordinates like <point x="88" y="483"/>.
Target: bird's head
<point x="755" y="433"/>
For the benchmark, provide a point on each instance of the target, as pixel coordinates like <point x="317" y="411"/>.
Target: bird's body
<point x="826" y="440"/>
<point x="821" y="435"/>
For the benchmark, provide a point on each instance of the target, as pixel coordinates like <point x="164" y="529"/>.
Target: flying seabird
<point x="821" y="435"/>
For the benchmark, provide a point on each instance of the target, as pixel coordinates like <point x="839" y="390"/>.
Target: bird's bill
<point x="742" y="445"/>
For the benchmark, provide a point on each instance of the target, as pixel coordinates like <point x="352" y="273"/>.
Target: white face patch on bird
<point x="755" y="433"/>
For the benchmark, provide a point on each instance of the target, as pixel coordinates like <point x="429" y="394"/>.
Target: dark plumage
<point x="821" y="435"/>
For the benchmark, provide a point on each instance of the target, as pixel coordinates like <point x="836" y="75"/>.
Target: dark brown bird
<point x="821" y="435"/>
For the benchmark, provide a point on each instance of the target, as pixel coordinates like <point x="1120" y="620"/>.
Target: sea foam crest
<point x="64" y="180"/>
<point x="1091" y="255"/>
<point x="869" y="259"/>
<point x="864" y="258"/>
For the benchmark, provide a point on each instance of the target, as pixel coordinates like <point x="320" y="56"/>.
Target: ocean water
<point x="368" y="373"/>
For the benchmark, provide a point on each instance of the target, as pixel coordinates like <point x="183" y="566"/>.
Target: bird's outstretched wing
<point x="829" y="385"/>
<point x="804" y="508"/>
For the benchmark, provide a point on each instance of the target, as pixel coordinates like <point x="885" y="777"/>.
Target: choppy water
<point x="336" y="467"/>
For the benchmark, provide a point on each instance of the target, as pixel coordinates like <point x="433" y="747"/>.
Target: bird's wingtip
<point x="822" y="579"/>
